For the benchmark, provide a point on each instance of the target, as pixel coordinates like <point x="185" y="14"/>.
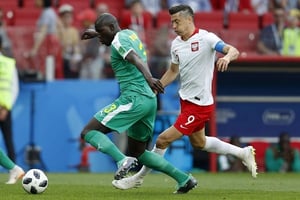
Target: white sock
<point x="14" y="168"/>
<point x="159" y="151"/>
<point x="146" y="170"/>
<point x="216" y="145"/>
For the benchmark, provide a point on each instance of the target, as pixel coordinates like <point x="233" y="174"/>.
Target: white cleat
<point x="127" y="165"/>
<point x="249" y="160"/>
<point x="128" y="183"/>
<point x="15" y="174"/>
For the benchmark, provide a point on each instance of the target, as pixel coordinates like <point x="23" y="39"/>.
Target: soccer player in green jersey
<point x="134" y="110"/>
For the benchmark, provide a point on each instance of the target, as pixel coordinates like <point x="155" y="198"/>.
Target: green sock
<point x="157" y="162"/>
<point x="102" y="143"/>
<point x="5" y="161"/>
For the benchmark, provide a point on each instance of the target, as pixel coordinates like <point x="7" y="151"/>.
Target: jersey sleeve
<point x="213" y="39"/>
<point x="174" y="57"/>
<point x="122" y="44"/>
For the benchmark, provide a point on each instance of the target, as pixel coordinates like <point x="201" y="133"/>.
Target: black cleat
<point x="191" y="184"/>
<point x="126" y="166"/>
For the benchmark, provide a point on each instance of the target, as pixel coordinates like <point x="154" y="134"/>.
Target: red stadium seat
<point x="22" y="40"/>
<point x="112" y="3"/>
<point x="246" y="21"/>
<point x="244" y="40"/>
<point x="260" y="147"/>
<point x="8" y="5"/>
<point x="29" y="4"/>
<point x="217" y="4"/>
<point x="27" y="16"/>
<point x="163" y="18"/>
<point x="125" y="19"/>
<point x="267" y="19"/>
<point x="211" y="21"/>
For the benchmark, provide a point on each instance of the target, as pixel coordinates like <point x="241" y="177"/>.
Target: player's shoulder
<point x="126" y="33"/>
<point x="205" y="33"/>
<point x="121" y="36"/>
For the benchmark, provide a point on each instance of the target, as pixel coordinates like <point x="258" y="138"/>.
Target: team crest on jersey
<point x="195" y="46"/>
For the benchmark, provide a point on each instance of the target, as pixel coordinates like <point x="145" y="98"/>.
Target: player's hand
<point x="3" y="113"/>
<point x="89" y="34"/>
<point x="222" y="64"/>
<point x="156" y="85"/>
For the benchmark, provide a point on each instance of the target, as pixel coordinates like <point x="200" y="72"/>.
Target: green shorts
<point x="136" y="114"/>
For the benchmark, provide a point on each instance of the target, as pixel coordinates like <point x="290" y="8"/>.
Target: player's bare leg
<point x="215" y="145"/>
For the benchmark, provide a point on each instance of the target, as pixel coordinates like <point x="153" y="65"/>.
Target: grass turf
<point x="223" y="186"/>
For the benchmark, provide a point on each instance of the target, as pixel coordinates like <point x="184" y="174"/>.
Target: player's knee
<point x="199" y="144"/>
<point x="84" y="132"/>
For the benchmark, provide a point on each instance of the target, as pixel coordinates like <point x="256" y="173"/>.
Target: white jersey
<point x="196" y="60"/>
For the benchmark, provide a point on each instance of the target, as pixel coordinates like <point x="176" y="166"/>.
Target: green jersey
<point x="130" y="79"/>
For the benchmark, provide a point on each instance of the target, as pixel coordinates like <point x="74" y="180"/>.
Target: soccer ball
<point x="35" y="181"/>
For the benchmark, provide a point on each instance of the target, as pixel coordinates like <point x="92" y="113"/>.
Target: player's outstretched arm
<point x="170" y="75"/>
<point x="89" y="34"/>
<point x="231" y="53"/>
<point x="154" y="83"/>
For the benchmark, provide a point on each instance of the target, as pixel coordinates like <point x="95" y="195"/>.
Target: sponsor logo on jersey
<point x="183" y="127"/>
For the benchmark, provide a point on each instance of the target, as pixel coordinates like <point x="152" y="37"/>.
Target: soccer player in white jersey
<point x="193" y="58"/>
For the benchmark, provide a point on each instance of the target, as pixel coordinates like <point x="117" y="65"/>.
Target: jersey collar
<point x="194" y="33"/>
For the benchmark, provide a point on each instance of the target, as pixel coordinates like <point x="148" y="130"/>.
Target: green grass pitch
<point x="157" y="186"/>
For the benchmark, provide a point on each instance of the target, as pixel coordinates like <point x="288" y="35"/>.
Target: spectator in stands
<point x="104" y="51"/>
<point x="260" y="7"/>
<point x="230" y="163"/>
<point x="91" y="65"/>
<point x="196" y="5"/>
<point x="160" y="51"/>
<point x="101" y="8"/>
<point x="9" y="90"/>
<point x="287" y="5"/>
<point x="153" y="6"/>
<point x="137" y="19"/>
<point x="46" y="36"/>
<point x="6" y="43"/>
<point x="69" y="37"/>
<point x="291" y="35"/>
<point x="282" y="157"/>
<point x="270" y="39"/>
<point x="237" y="6"/>
<point x="160" y="54"/>
<point x="234" y="6"/>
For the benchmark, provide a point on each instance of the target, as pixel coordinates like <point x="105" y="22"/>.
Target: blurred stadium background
<point x="256" y="99"/>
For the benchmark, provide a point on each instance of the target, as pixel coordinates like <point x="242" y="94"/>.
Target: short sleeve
<point x="174" y="56"/>
<point x="122" y="44"/>
<point x="212" y="40"/>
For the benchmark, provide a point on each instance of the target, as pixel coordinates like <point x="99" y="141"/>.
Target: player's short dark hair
<point x="106" y="19"/>
<point x="184" y="8"/>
